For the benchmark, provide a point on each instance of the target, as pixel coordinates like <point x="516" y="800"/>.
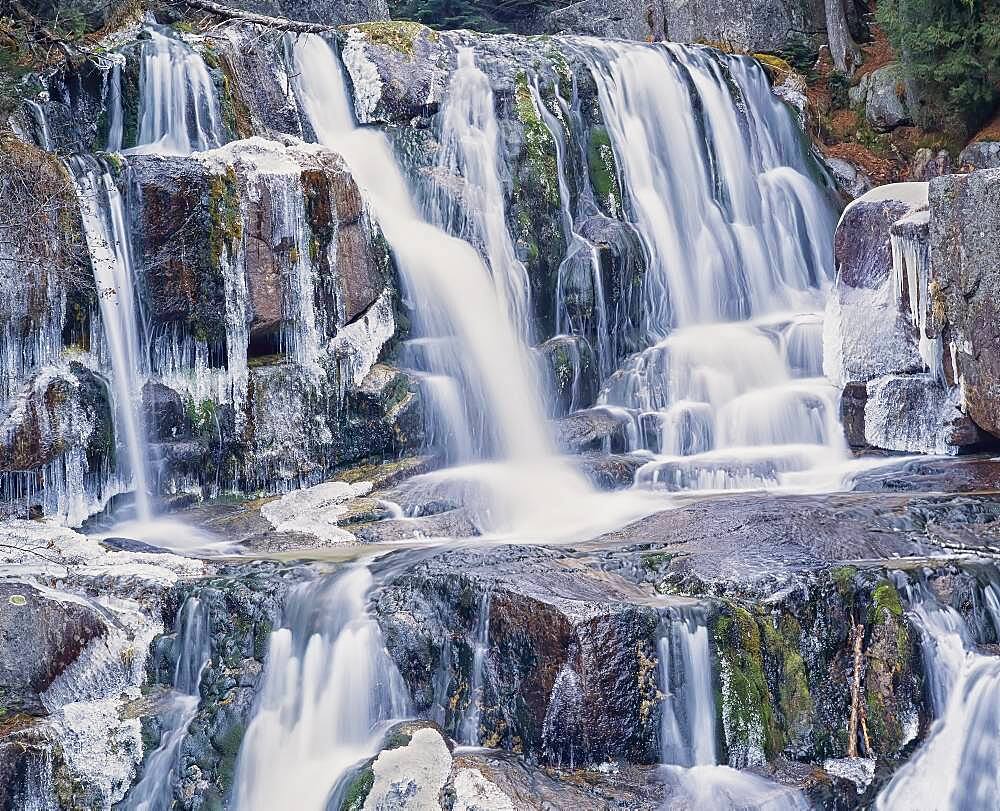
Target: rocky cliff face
<point x="899" y="344"/>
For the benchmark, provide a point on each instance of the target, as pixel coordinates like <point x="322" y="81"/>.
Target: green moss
<point x="400" y="35"/>
<point x="795" y="704"/>
<point x="602" y="169"/>
<point x="540" y="149"/>
<point x="885" y="598"/>
<point x="656" y="560"/>
<point x="226" y="215"/>
<point x="843" y="578"/>
<point x="357" y="793"/>
<point x="748" y="715"/>
<point x="228" y="747"/>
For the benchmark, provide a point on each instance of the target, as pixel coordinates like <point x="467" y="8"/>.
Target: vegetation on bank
<point x="951" y="48"/>
<point x="488" y="16"/>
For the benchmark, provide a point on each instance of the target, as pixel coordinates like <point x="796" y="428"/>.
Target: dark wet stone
<point x="130" y="545"/>
<point x="39" y="638"/>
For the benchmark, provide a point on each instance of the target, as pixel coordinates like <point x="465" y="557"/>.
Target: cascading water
<point x="738" y="238"/>
<point x="328" y="688"/>
<point x="470" y="153"/>
<point x="178" y="108"/>
<point x="114" y="274"/>
<point x="453" y="296"/>
<point x="957" y="763"/>
<point x="693" y="780"/>
<point x="154" y="791"/>
<point x="468" y="732"/>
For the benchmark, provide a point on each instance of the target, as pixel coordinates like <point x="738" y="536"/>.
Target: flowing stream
<point x="957" y="763"/>
<point x="532" y="490"/>
<point x="328" y="688"/>
<point x="154" y="791"/>
<point x="114" y="274"/>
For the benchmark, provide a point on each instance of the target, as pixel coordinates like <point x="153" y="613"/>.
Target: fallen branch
<point x="857" y="637"/>
<point x="259" y="19"/>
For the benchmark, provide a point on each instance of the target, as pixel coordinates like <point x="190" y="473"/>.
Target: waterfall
<point x="113" y="103"/>
<point x="154" y="791"/>
<point x="957" y="763"/>
<point x="327" y="690"/>
<point x="178" y="108"/>
<point x="454" y="296"/>
<point x="468" y="732"/>
<point x="716" y="181"/>
<point x="688" y="726"/>
<point x="688" y="729"/>
<point x="470" y="152"/>
<point x="114" y="274"/>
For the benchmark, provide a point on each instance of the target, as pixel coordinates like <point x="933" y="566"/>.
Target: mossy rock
<point x="400" y="35"/>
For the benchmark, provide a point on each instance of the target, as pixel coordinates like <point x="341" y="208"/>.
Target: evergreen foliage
<point x="491" y="16"/>
<point x="951" y="48"/>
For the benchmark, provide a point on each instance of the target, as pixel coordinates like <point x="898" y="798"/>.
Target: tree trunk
<point x="844" y="50"/>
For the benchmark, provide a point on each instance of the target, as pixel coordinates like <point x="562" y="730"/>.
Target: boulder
<point x="927" y="165"/>
<point x="570" y="370"/>
<point x="888" y="97"/>
<point x="164" y="413"/>
<point x="981" y="155"/>
<point x="40" y="636"/>
<point x="851" y="181"/>
<point x="866" y="330"/>
<point x="965" y="264"/>
<point x="594" y="429"/>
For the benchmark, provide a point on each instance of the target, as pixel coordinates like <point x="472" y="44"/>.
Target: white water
<point x="328" y="689"/>
<point x="111" y="256"/>
<point x="693" y="778"/>
<point x="154" y="791"/>
<point x="532" y="492"/>
<point x="178" y="109"/>
<point x="468" y="732"/>
<point x="470" y="151"/>
<point x="955" y="769"/>
<point x="739" y="240"/>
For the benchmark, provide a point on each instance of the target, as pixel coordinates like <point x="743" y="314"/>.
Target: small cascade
<point x="113" y="104"/>
<point x="716" y="181"/>
<point x="564" y="733"/>
<point x="327" y="691"/>
<point x="470" y="153"/>
<point x="532" y="489"/>
<point x="468" y="732"/>
<point x="178" y="106"/>
<point x="688" y="729"/>
<point x="114" y="273"/>
<point x="154" y="791"/>
<point x="957" y="763"/>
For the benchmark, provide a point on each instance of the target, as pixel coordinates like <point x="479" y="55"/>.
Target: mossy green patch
<point x="540" y="149"/>
<point x="400" y="35"/>
<point x="603" y="170"/>
<point x="357" y="792"/>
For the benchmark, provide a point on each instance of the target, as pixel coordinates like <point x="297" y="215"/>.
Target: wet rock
<point x="412" y="775"/>
<point x="965" y="259"/>
<point x="609" y="471"/>
<point x="40" y="636"/>
<point x="981" y="155"/>
<point x="164" y="411"/>
<point x="570" y="368"/>
<point x="593" y="429"/>
<point x="544" y="620"/>
<point x="316" y="11"/>
<point x="744" y="25"/>
<point x="852" y="413"/>
<point x="914" y="413"/>
<point x="459" y="523"/>
<point x="851" y="180"/>
<point x="132" y="545"/>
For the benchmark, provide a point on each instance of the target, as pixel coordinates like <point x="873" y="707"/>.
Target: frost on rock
<point x="364" y="76"/>
<point x="474" y="792"/>
<point x="86" y="742"/>
<point x="316" y="510"/>
<point x="411" y="777"/>
<point x="358" y="345"/>
<point x="865" y="335"/>
<point x="913" y="413"/>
